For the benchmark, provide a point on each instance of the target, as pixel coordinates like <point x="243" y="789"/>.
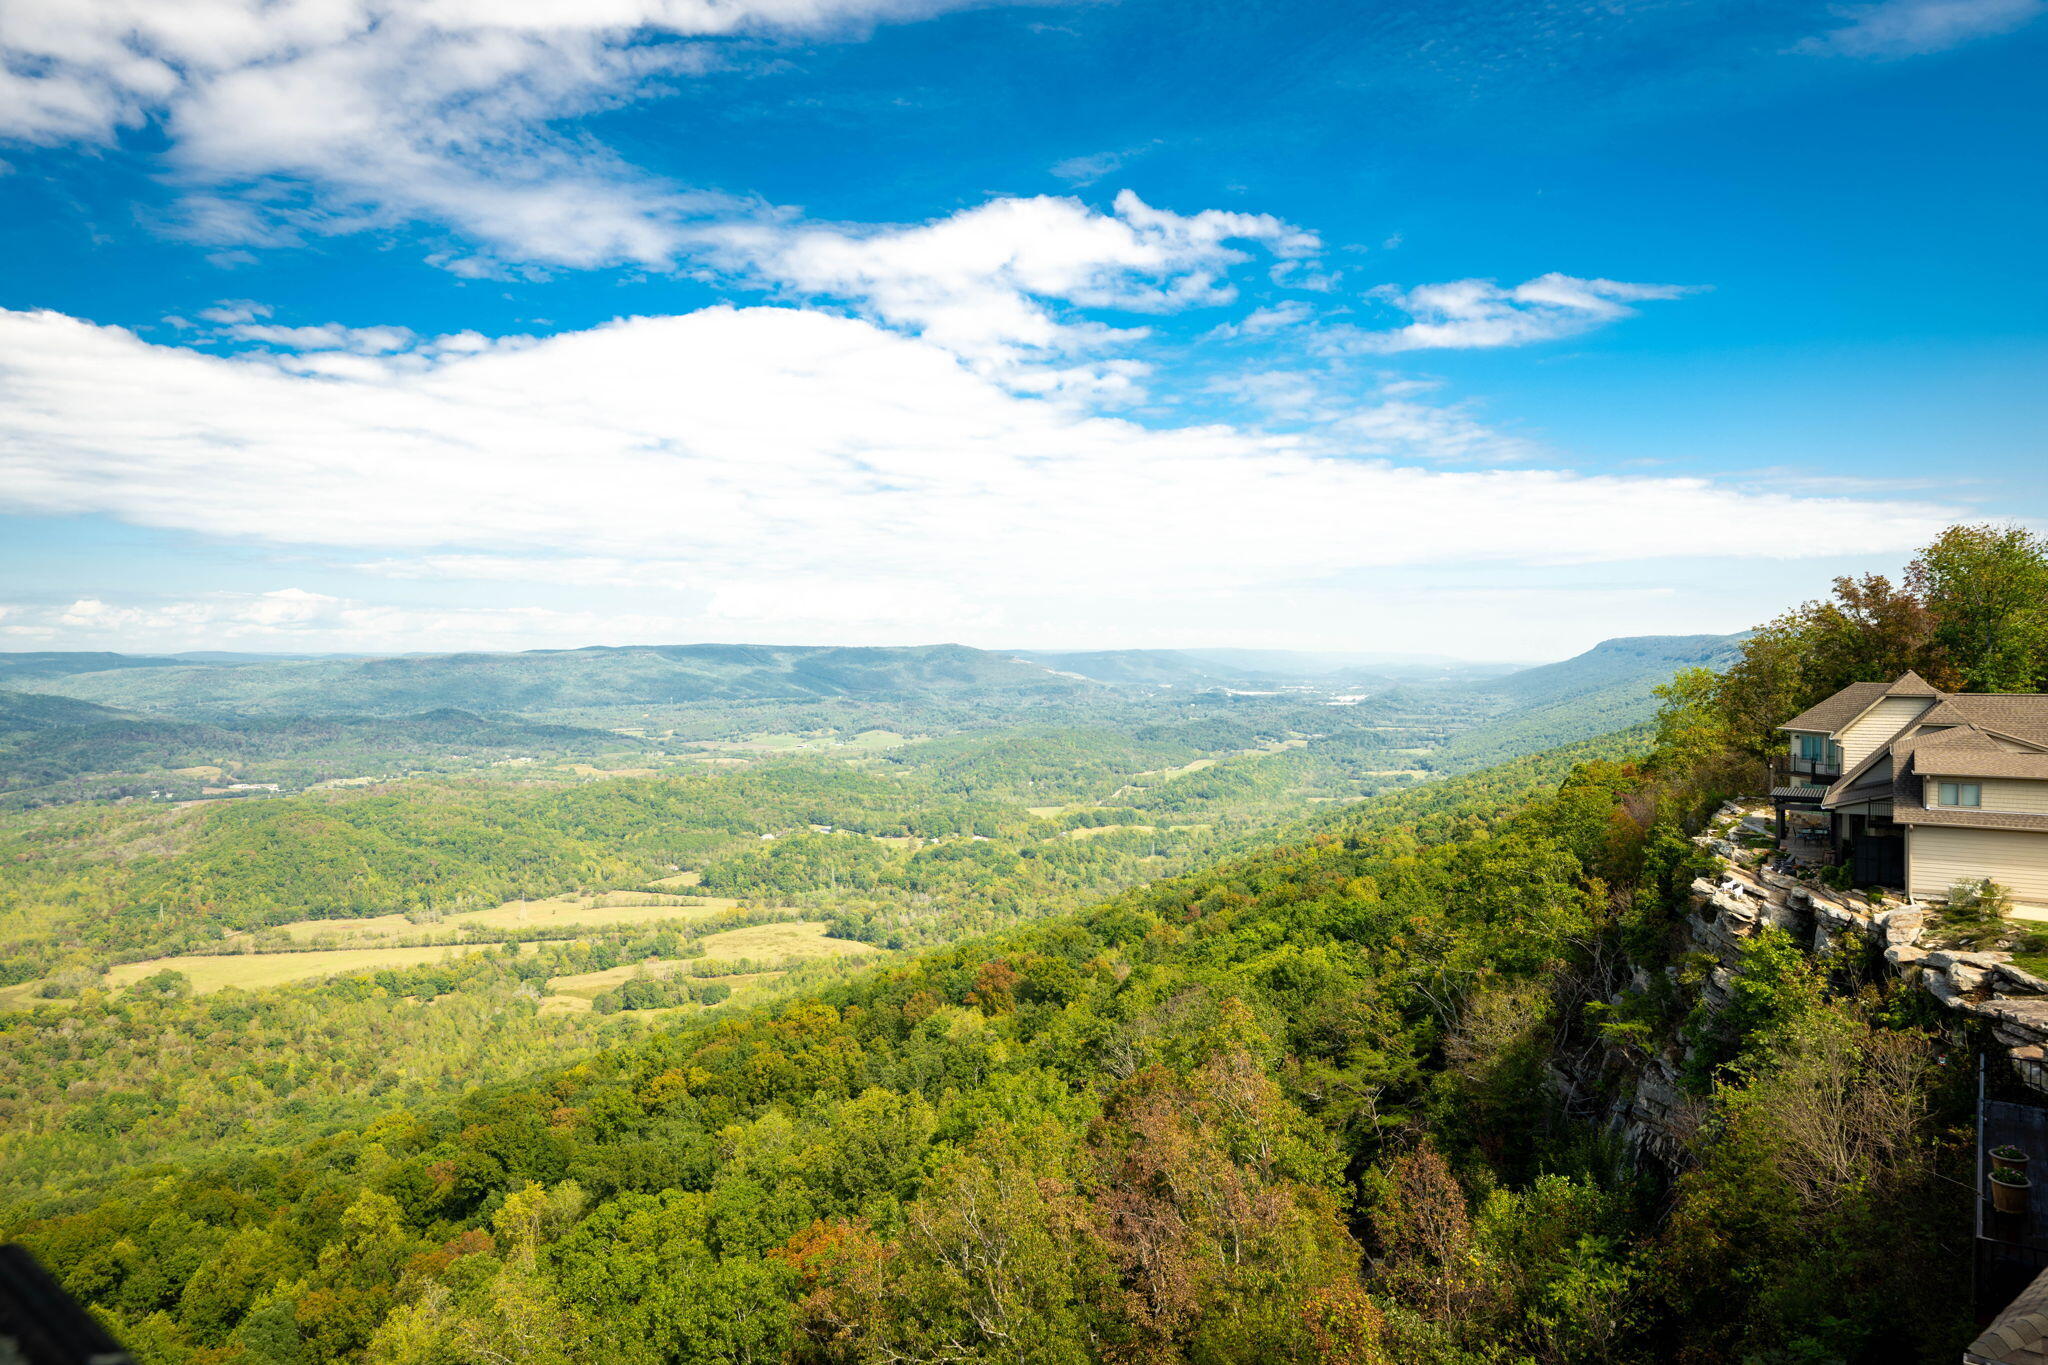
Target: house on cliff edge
<point x="1917" y="789"/>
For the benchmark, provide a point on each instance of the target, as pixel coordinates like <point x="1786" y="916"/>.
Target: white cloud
<point x="324" y="115"/>
<point x="1480" y="313"/>
<point x="330" y="336"/>
<point x="235" y="312"/>
<point x="289" y="619"/>
<point x="1908" y="28"/>
<point x="1264" y="321"/>
<point x="1087" y="170"/>
<point x="765" y="459"/>
<point x="982" y="282"/>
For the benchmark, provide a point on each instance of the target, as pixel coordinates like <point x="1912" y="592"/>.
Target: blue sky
<point x="1489" y="329"/>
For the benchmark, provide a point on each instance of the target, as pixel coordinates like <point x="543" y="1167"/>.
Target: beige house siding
<point x="2017" y="794"/>
<point x="1940" y="856"/>
<point x="1999" y="793"/>
<point x="1878" y="725"/>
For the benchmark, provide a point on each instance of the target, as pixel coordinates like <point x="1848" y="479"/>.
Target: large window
<point x="1817" y="750"/>
<point x="1962" y="794"/>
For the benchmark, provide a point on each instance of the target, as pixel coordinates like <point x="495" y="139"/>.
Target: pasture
<point x="259" y="971"/>
<point x="781" y="943"/>
<point x="603" y="909"/>
<point x="778" y="943"/>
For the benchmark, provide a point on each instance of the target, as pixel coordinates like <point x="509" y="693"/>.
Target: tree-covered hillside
<point x="1290" y="1108"/>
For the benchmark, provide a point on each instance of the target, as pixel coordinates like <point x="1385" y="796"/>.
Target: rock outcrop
<point x="1731" y="906"/>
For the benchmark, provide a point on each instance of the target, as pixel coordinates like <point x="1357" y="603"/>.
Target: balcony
<point x="1821" y="769"/>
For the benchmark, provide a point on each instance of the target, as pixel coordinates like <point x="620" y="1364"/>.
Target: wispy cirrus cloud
<point x="1911" y="28"/>
<point x="1481" y="313"/>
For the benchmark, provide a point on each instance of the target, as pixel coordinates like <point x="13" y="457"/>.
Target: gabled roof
<point x="1965" y="750"/>
<point x="2023" y="715"/>
<point x="1971" y="751"/>
<point x="1838" y="710"/>
<point x="1911" y="684"/>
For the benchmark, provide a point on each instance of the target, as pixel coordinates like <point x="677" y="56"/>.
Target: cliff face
<point x="1641" y="1094"/>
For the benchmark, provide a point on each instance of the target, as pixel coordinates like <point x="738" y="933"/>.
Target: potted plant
<point x="2009" y="1158"/>
<point x="2009" y="1190"/>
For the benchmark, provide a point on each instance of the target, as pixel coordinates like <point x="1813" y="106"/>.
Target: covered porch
<point x="1804" y="831"/>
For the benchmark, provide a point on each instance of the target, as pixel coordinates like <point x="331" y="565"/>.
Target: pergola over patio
<point x="1785" y="799"/>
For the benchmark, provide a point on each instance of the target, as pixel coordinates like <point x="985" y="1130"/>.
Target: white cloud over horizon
<point x="782" y="470"/>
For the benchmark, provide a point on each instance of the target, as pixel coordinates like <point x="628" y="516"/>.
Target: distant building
<point x="1917" y="789"/>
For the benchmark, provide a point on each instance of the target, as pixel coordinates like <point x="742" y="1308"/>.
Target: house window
<point x="1962" y="794"/>
<point x="1813" y="746"/>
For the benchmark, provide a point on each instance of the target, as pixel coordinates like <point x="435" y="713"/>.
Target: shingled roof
<point x="1999" y="763"/>
<point x="2017" y="1336"/>
<point x="2023" y="715"/>
<point x="1838" y="710"/>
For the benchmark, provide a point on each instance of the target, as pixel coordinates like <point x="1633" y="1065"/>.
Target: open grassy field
<point x="575" y="994"/>
<point x="258" y="971"/>
<point x="781" y="942"/>
<point x="603" y="908"/>
<point x="1097" y="831"/>
<point x="22" y="996"/>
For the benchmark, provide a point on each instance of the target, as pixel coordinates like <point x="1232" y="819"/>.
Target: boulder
<point x="1945" y="958"/>
<point x="2011" y="979"/>
<point x="1901" y="926"/>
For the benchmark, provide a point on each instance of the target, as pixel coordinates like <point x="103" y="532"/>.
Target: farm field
<point x="259" y="971"/>
<point x="609" y="909"/>
<point x="781" y="943"/>
<point x="1097" y="831"/>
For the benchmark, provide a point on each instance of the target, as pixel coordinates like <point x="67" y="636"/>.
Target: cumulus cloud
<point x="324" y="115"/>
<point x="775" y="458"/>
<point x="1480" y="313"/>
<point x="1909" y="28"/>
<point x="983" y="283"/>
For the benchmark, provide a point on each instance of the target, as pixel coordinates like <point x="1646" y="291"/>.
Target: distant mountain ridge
<point x="1618" y="661"/>
<point x="1225" y="667"/>
<point x="548" y="680"/>
<point x="545" y="680"/>
<point x="1610" y="687"/>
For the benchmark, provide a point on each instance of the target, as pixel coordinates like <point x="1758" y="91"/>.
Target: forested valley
<point x="1228" y="1034"/>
